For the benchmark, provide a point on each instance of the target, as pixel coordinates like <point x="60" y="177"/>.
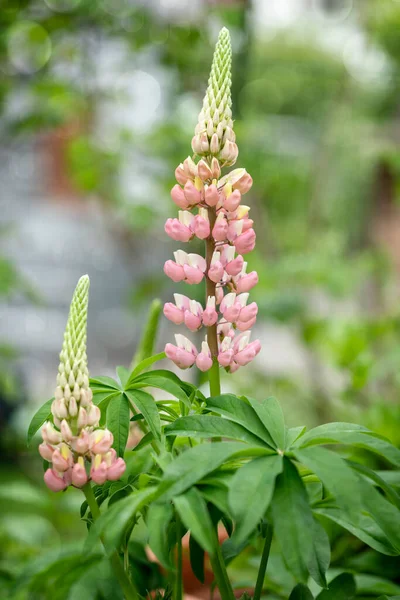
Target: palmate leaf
<point x="386" y="516"/>
<point x="148" y="407"/>
<point x="301" y="592"/>
<point x="40" y="417"/>
<point x="371" y="585"/>
<point x="158" y="519"/>
<point x="193" y="512"/>
<point x="145" y="364"/>
<point x="112" y="524"/>
<point x="354" y="435"/>
<point x="104" y="383"/>
<point x="366" y="529"/>
<point x="163" y="380"/>
<point x="118" y="422"/>
<point x="336" y="476"/>
<point x="240" y="412"/>
<point x="207" y="426"/>
<point x="343" y="587"/>
<point x="195" y="463"/>
<point x="217" y="495"/>
<point x="304" y="548"/>
<point x="250" y="493"/>
<point x="270" y="413"/>
<point x="196" y="555"/>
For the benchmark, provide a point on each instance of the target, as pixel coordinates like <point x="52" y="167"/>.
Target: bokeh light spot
<point x="28" y="46"/>
<point x="335" y="11"/>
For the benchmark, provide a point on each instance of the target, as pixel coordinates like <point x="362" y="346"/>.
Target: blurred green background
<point x="98" y="101"/>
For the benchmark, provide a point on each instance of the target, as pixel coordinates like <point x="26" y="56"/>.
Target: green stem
<point x="263" y="564"/>
<point x="213" y="377"/>
<point x="179" y="574"/>
<point x="219" y="570"/>
<point x="127" y="587"/>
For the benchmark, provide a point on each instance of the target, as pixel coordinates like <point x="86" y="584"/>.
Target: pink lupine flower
<point x="210" y="315"/>
<point x="220" y="229"/>
<point x="78" y="475"/>
<point x="54" y="481"/>
<point x="232" y="201"/>
<point x="178" y="197"/>
<point x="245" y="242"/>
<point x="73" y="443"/>
<point x="204" y="358"/>
<point x="101" y="441"/>
<point x="211" y="195"/>
<point x="183" y="354"/>
<point x="224" y="223"/>
<point x="216" y="270"/>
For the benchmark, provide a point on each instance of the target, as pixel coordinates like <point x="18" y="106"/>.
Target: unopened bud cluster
<point x="73" y="443"/>
<point x="211" y="210"/>
<point x="214" y="135"/>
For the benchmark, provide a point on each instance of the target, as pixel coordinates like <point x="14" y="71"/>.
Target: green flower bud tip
<point x="214" y="134"/>
<point x="73" y="370"/>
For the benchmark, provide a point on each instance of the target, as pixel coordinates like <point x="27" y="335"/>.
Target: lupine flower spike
<point x="73" y="443"/>
<point x="211" y="210"/>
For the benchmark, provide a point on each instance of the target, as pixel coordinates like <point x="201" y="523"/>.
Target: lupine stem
<point x="219" y="570"/>
<point x="179" y="574"/>
<point x="212" y="338"/>
<point x="263" y="564"/>
<point x="127" y="587"/>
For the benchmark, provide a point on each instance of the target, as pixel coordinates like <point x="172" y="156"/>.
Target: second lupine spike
<point x="73" y="443"/>
<point x="224" y="224"/>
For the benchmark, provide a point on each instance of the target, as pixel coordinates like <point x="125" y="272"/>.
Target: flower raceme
<point x="73" y="443"/>
<point x="211" y="210"/>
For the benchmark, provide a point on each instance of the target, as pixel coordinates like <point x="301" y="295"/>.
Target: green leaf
<point x="336" y="476"/>
<point x="195" y="463"/>
<point x="163" y="380"/>
<point x="376" y="478"/>
<point x="239" y="411"/>
<point x="193" y="512"/>
<point x="354" y="435"/>
<point x="366" y="529"/>
<point x="207" y="426"/>
<point x="371" y="585"/>
<point x="113" y="523"/>
<point x="383" y="512"/>
<point x="118" y="422"/>
<point x="40" y="417"/>
<point x="342" y="587"/>
<point x="158" y="520"/>
<point x="101" y="398"/>
<point x="123" y="375"/>
<point x="250" y="493"/>
<point x="145" y="364"/>
<point x="217" y="495"/>
<point x="294" y="525"/>
<point x="293" y="434"/>
<point x="301" y="592"/>
<point x="145" y="441"/>
<point x="105" y="383"/>
<point x="148" y="407"/>
<point x="270" y="413"/>
<point x="318" y="562"/>
<point x="196" y="554"/>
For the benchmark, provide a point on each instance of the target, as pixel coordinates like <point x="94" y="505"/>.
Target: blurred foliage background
<point x="106" y="95"/>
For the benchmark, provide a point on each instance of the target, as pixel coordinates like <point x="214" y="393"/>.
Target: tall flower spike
<point x="75" y="445"/>
<point x="214" y="132"/>
<point x="224" y="224"/>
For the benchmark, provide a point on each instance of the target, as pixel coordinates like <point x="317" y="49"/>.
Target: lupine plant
<point x="217" y="467"/>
